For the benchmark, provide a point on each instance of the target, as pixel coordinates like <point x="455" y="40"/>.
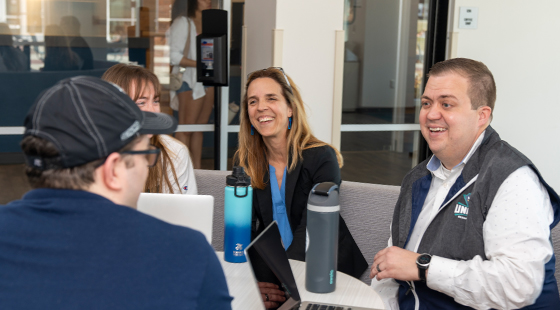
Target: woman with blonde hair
<point x="174" y="171"/>
<point x="285" y="160"/>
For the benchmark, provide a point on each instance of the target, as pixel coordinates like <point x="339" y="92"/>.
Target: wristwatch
<point x="423" y="263"/>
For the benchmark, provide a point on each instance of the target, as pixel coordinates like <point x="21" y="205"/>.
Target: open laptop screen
<point x="269" y="260"/>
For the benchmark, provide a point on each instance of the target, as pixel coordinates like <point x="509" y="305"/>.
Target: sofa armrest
<point x="213" y="182"/>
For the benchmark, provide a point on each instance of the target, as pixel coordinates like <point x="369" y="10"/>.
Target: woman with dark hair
<point x="174" y="172"/>
<point x="11" y="58"/>
<point x="285" y="160"/>
<point x="193" y="101"/>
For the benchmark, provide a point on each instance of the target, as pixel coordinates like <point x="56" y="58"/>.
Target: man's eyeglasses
<point x="279" y="69"/>
<point x="152" y="154"/>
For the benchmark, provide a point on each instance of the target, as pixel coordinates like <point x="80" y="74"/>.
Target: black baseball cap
<point x="87" y="119"/>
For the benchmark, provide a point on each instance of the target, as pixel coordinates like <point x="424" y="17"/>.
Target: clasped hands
<point x="395" y="263"/>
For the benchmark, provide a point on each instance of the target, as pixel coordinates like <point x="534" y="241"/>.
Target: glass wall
<point x="45" y="41"/>
<point x="383" y="71"/>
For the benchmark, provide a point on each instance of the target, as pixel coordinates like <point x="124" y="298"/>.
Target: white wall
<point x="518" y="41"/>
<point x="308" y="50"/>
<point x="260" y="20"/>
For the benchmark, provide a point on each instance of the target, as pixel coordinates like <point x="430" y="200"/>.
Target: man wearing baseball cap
<point x="75" y="241"/>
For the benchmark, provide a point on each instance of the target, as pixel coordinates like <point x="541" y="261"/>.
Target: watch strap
<point x="423" y="263"/>
<point x="422" y="274"/>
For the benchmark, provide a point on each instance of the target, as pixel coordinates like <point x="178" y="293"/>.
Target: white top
<point x="181" y="159"/>
<point x="177" y="38"/>
<point x="516" y="239"/>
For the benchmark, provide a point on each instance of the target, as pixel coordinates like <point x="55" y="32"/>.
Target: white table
<point x="349" y="291"/>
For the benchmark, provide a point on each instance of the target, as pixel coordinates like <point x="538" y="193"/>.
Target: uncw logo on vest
<point x="462" y="209"/>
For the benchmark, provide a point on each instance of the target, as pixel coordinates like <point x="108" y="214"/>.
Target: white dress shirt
<point x="178" y="33"/>
<point x="516" y="238"/>
<point x="179" y="155"/>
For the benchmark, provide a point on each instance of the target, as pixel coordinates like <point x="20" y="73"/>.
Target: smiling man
<point x="471" y="227"/>
<point x="76" y="241"/>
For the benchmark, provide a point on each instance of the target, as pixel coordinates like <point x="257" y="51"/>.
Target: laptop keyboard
<point x="325" y="307"/>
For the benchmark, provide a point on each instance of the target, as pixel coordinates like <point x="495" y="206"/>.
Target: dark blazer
<point x="319" y="164"/>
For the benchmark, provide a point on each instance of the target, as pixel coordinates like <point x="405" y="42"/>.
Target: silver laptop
<point x="192" y="211"/>
<point x="267" y="257"/>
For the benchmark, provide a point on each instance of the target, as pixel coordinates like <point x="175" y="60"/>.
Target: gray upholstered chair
<point x="213" y="182"/>
<point x="367" y="209"/>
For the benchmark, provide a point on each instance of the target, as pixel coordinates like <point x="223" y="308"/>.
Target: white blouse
<point x="177" y="37"/>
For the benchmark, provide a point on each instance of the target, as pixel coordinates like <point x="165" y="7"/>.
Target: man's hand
<point x="272" y="296"/>
<point x="395" y="263"/>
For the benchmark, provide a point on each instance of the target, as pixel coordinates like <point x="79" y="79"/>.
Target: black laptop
<point x="269" y="263"/>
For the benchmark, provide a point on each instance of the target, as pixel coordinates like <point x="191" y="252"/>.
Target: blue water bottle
<point x="237" y="215"/>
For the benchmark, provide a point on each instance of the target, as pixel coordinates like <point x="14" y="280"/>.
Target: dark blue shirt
<point x="65" y="249"/>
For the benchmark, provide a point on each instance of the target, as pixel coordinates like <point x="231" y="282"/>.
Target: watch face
<point x="424" y="259"/>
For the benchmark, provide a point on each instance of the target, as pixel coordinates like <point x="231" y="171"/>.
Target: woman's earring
<point x="290" y="122"/>
<point x="252" y="130"/>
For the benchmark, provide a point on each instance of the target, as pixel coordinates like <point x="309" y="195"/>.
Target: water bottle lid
<point x="238" y="177"/>
<point x="324" y="194"/>
<point x="324" y="189"/>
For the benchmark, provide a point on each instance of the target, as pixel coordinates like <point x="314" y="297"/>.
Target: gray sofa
<point x="366" y="208"/>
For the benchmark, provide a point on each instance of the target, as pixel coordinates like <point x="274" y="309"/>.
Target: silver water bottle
<point x="321" y="250"/>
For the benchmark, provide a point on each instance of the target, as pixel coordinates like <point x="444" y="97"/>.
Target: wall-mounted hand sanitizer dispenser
<point x="212" y="49"/>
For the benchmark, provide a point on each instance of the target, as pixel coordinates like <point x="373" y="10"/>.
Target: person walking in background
<point x="193" y="102"/>
<point x="173" y="173"/>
